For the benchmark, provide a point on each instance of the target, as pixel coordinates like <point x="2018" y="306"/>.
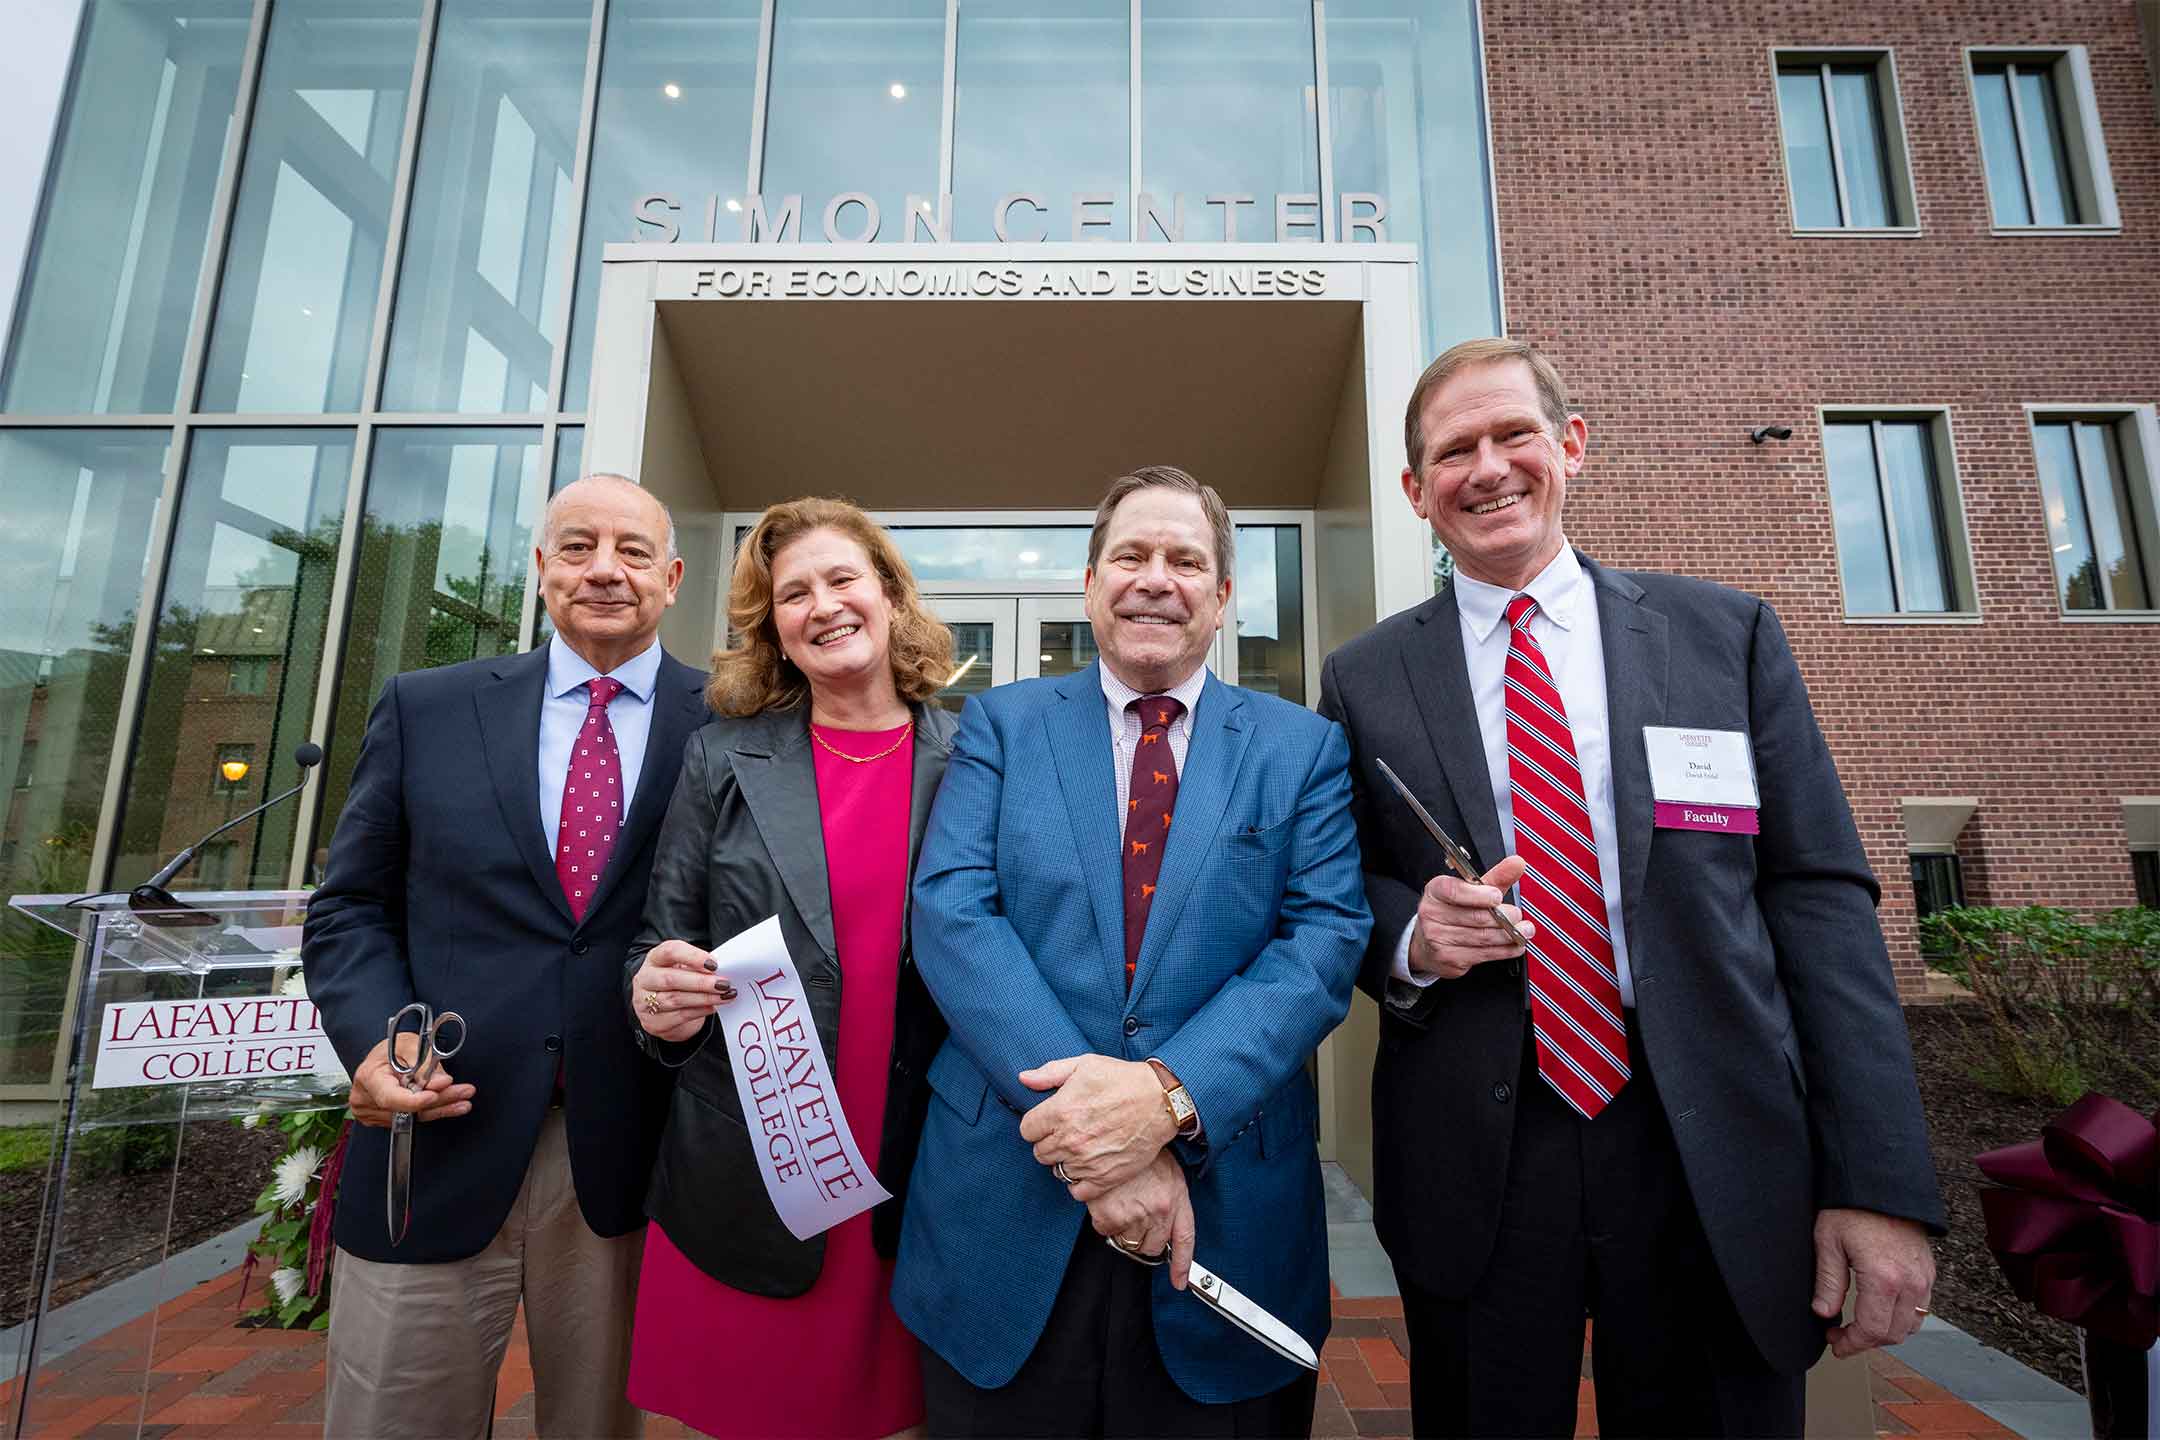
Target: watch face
<point x="1181" y="1103"/>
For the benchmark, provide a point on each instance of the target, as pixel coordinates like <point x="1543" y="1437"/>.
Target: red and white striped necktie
<point x="1574" y="987"/>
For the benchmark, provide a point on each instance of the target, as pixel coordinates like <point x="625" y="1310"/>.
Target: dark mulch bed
<point x="1964" y="1119"/>
<point x="115" y="1222"/>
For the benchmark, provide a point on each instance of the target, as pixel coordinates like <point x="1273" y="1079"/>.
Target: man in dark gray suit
<point x="1678" y="1095"/>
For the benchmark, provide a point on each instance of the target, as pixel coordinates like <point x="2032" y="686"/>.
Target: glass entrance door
<point x="997" y="638"/>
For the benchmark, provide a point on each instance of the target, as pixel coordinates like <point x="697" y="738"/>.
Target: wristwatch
<point x="1177" y="1100"/>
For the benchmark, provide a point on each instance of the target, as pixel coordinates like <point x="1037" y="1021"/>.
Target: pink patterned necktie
<point x="592" y="799"/>
<point x="1574" y="985"/>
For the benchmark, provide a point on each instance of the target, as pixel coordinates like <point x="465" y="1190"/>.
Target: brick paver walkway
<point x="207" y="1378"/>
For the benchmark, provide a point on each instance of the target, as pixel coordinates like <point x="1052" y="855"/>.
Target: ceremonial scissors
<point x="416" y="1073"/>
<point x="1458" y="859"/>
<point x="1233" y="1305"/>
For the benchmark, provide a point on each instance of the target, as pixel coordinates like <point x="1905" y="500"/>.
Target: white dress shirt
<point x="562" y="716"/>
<point x="1125" y="728"/>
<point x="1566" y="627"/>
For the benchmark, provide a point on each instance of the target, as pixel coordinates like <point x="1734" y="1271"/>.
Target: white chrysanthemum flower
<point x="287" y="1283"/>
<point x="251" y="1120"/>
<point x="296" y="985"/>
<point x="293" y="1173"/>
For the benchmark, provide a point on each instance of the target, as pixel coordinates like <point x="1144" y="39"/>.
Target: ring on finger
<point x="1129" y="1246"/>
<point x="1063" y="1177"/>
<point x="652" y="1002"/>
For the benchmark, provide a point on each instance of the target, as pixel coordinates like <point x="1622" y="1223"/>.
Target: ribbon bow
<point x="2077" y="1227"/>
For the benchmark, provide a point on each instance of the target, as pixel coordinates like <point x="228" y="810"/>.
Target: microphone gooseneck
<point x="151" y="900"/>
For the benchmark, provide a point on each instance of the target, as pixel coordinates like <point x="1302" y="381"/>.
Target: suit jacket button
<point x="1514" y="969"/>
<point x="579" y="947"/>
<point x="552" y="1043"/>
<point x="1502" y="1091"/>
<point x="1132" y="1025"/>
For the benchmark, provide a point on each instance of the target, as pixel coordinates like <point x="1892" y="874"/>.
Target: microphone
<point x="154" y="903"/>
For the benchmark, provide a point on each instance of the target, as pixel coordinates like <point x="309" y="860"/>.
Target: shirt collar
<point x="1556" y="589"/>
<point x="568" y="670"/>
<point x="1186" y="691"/>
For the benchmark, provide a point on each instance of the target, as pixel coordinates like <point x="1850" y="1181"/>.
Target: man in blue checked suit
<point x="1139" y="904"/>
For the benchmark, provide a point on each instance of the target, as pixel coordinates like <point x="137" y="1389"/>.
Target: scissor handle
<point x="434" y="1034"/>
<point x="425" y="1017"/>
<point x="1159" y="1258"/>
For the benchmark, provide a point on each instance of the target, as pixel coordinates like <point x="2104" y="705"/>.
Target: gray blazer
<point x="742" y="842"/>
<point x="1762" y="987"/>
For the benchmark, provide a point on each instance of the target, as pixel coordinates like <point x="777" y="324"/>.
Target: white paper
<point x="179" y="1042"/>
<point x="812" y="1168"/>
<point x="1701" y="767"/>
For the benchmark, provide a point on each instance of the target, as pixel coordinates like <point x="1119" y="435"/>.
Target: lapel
<point x="1439" y="679"/>
<point x="1079" y="740"/>
<point x="1219" y="739"/>
<point x="509" y="708"/>
<point x="931" y="753"/>
<point x="778" y="778"/>
<point x="678" y="708"/>
<point x="1635" y="673"/>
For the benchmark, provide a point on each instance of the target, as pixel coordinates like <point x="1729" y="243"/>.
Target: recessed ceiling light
<point x="897" y="91"/>
<point x="734" y="204"/>
<point x="671" y="90"/>
<point x="1029" y="557"/>
<point x="304" y="310"/>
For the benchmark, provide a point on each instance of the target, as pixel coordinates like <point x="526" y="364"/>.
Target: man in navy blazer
<point x="1129" y="1029"/>
<point x="1688" y="1109"/>
<point x="443" y="886"/>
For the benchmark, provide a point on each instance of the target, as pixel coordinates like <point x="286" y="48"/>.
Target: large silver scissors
<point x="1233" y="1305"/>
<point x="416" y="1073"/>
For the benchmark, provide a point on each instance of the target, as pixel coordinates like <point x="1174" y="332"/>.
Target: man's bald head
<point x="608" y="567"/>
<point x="566" y="497"/>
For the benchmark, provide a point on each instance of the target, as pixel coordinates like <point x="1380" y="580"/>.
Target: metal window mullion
<point x="1837" y="147"/>
<point x="574" y="241"/>
<point x="760" y="98"/>
<point x="550" y="435"/>
<point x="207" y="281"/>
<point x="1323" y="122"/>
<point x="2124" y="524"/>
<point x="2025" y="169"/>
<point x="946" y="116"/>
<point x="400" y="207"/>
<point x="1889" y="517"/>
<point x="1132" y="112"/>
<point x="337" y="623"/>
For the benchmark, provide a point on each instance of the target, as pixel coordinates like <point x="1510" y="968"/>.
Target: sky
<point x="33" y="71"/>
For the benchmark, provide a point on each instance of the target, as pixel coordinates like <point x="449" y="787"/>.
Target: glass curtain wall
<point x="1227" y="116"/>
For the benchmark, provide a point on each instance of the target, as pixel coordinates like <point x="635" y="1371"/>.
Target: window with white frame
<point x="1844" y="140"/>
<point x="2096" y="486"/>
<point x="1894" y="503"/>
<point x="2141" y="823"/>
<point x="2040" y="139"/>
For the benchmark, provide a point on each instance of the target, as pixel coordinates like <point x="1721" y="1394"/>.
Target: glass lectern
<point x="127" y="1149"/>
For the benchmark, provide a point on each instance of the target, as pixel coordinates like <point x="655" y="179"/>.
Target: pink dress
<point x="834" y="1362"/>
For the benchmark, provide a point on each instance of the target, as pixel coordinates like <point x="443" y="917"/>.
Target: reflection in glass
<point x="1807" y="149"/>
<point x="1998" y="144"/>
<point x="254" y="546"/>
<point x="854" y="106"/>
<point x="2077" y="577"/>
<point x="1270" y="599"/>
<point x="676" y="86"/>
<point x="110" y="287"/>
<point x="445" y="545"/>
<point x="1067" y="646"/>
<point x="1005" y="554"/>
<point x="569" y="451"/>
<point x="1042" y="104"/>
<point x="2045" y="155"/>
<point x="973" y="645"/>
<point x="2093" y="524"/>
<point x="1915" y="502"/>
<point x="77" y="506"/>
<point x="1860" y="146"/>
<point x="304" y="263"/>
<point x="2115" y="537"/>
<point x="1226" y="107"/>
<point x="1857" y="512"/>
<point x="1406" y="116"/>
<point x="480" y="285"/>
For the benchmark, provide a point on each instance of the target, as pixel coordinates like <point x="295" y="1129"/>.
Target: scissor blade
<point x="1231" y="1303"/>
<point x="1432" y="826"/>
<point x="399" y="1195"/>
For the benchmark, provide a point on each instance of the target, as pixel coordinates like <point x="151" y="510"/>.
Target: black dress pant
<point x="1096" y="1372"/>
<point x="1597" y="1221"/>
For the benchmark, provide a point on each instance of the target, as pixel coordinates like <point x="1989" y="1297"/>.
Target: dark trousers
<point x="1597" y="1220"/>
<point x="1096" y="1372"/>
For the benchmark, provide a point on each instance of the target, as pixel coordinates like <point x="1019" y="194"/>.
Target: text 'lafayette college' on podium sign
<point x="174" y="1042"/>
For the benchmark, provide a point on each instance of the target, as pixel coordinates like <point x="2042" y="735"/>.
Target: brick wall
<point x="1645" y="238"/>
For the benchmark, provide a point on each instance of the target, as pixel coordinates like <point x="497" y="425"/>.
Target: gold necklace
<point x="864" y="759"/>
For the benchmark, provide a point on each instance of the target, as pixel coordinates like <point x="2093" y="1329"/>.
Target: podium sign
<point x="197" y="1014"/>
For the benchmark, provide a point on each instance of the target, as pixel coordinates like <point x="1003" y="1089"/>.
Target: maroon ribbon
<point x="2076" y="1226"/>
<point x="318" y="1243"/>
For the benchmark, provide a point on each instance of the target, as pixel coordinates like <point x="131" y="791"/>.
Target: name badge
<point x="1702" y="779"/>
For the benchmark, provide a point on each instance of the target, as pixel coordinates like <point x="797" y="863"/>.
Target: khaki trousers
<point x="414" y="1348"/>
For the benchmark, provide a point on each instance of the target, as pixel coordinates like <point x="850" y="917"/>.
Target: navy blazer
<point x="1251" y="950"/>
<point x="1762" y="987"/>
<point x="440" y="888"/>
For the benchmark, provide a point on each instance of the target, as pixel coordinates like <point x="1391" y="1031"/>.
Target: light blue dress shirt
<point x="562" y="715"/>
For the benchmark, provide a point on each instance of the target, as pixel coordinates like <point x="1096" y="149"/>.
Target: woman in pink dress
<point x="805" y="799"/>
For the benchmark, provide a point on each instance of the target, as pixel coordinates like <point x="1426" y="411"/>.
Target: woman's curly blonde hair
<point x="752" y="676"/>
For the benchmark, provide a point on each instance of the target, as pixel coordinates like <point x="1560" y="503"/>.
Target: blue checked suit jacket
<point x="1252" y="948"/>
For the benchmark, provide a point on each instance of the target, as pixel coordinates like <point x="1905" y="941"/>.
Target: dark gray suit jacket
<point x="1763" y="990"/>
<point x="742" y="841"/>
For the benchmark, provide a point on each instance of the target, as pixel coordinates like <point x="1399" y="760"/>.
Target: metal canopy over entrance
<point x="964" y="378"/>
